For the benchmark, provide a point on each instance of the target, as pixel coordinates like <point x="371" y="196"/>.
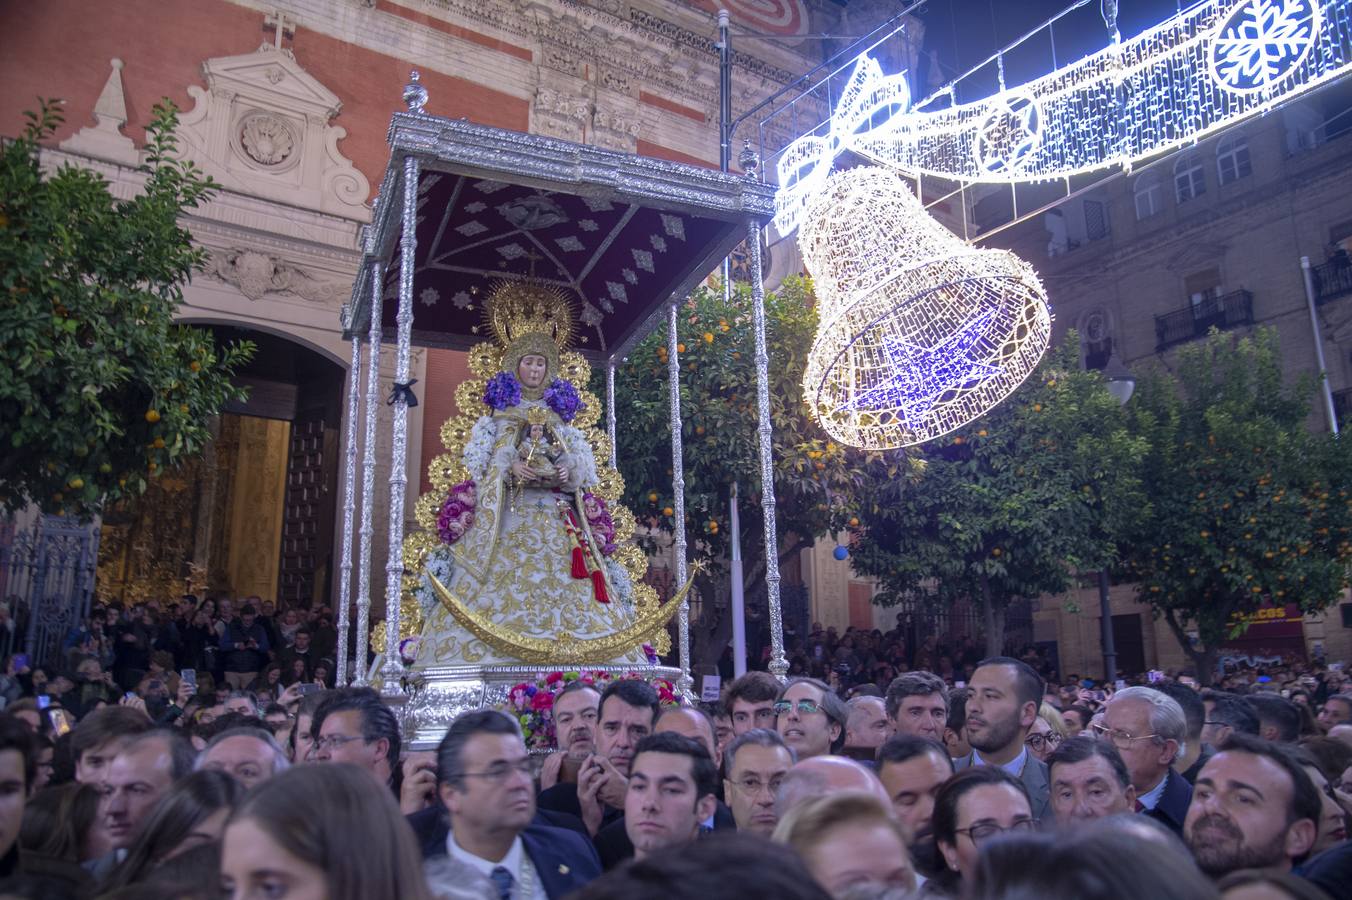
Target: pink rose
<point x="542" y="701"/>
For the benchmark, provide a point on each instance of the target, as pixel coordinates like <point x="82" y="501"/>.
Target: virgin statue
<point x="531" y="562"/>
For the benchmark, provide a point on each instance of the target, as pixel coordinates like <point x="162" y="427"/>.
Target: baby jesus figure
<point x="537" y="458"/>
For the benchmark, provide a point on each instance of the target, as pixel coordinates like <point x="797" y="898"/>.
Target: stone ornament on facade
<point x="258" y="274"/>
<point x="261" y="127"/>
<point x="267" y="139"/>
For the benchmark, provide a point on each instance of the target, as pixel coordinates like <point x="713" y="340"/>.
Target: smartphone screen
<point x="44" y="701"/>
<point x="309" y="688"/>
<point x="60" y="723"/>
<point x="20" y="661"/>
<point x="190" y="676"/>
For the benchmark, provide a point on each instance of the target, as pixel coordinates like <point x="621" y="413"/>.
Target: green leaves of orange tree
<point x="1012" y="505"/>
<point x="99" y="389"/>
<point x="819" y="484"/>
<point x="1248" y="506"/>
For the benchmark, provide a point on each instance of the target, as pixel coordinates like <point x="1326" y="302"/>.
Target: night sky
<point x="962" y="33"/>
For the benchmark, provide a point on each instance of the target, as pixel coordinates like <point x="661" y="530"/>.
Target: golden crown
<point x="537" y="415"/>
<point x="528" y="306"/>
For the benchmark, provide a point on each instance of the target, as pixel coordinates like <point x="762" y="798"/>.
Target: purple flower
<point x="562" y="397"/>
<point x="503" y="391"/>
<point x="457" y="513"/>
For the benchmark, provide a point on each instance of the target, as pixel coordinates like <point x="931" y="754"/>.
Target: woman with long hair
<point x="329" y="832"/>
<point x="191" y="814"/>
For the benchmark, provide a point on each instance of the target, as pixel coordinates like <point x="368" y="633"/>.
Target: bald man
<point x="819" y="776"/>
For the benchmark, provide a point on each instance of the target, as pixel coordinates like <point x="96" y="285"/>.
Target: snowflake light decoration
<point x="920" y="333"/>
<point x="1262" y="42"/>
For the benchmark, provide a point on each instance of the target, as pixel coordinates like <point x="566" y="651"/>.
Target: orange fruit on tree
<point x="195" y="366"/>
<point x="680" y="348"/>
<point x="668" y="511"/>
<point x="152" y="416"/>
<point x="652" y="497"/>
<point x="159" y="443"/>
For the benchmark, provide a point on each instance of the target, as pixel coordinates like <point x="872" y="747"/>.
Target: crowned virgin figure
<point x="528" y="564"/>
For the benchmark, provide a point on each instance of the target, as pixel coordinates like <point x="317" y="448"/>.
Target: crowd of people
<point x="1010" y="786"/>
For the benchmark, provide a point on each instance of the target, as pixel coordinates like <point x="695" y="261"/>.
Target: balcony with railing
<point x="1222" y="312"/>
<point x="1333" y="279"/>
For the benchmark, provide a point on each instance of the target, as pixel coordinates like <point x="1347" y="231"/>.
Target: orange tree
<point x="1013" y="505"/>
<point x="99" y="389"/>
<point x="820" y="485"/>
<point x="1248" y="507"/>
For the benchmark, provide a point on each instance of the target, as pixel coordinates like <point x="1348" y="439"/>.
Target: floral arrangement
<point x="562" y="397"/>
<point x="602" y="526"/>
<point x="457" y="513"/>
<point x="503" y="391"/>
<point x="532" y="702"/>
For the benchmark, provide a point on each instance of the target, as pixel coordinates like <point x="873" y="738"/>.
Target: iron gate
<point x="47" y="578"/>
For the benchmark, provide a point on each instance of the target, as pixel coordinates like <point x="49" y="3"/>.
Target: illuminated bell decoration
<point x="919" y="332"/>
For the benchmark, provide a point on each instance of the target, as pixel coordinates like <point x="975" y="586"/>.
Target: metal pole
<point x="686" y="684"/>
<point x="610" y="408"/>
<point x="779" y="665"/>
<point x="1106" y="614"/>
<point x="392" y="672"/>
<point x="349" y="501"/>
<point x="1329" y="409"/>
<point x="738" y="597"/>
<point x="368" y="476"/>
<point x="725" y="121"/>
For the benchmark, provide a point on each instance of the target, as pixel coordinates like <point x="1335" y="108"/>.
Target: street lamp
<point x="1121" y="384"/>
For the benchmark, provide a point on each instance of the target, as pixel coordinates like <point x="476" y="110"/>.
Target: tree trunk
<point x="1204" y="660"/>
<point x="993" y="616"/>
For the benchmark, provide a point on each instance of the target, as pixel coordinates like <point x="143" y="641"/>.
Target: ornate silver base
<point x="436" y="696"/>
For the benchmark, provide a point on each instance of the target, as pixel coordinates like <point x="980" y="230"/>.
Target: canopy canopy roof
<point x="622" y="233"/>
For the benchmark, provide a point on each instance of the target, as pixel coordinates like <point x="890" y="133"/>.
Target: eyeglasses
<point x="500" y="772"/>
<point x="1122" y="740"/>
<point x="753" y="786"/>
<point x="805" y="707"/>
<point x="334" y="741"/>
<point x="987" y="830"/>
<point x="1040" y="741"/>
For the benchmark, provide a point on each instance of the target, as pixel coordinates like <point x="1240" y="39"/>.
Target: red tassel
<point x="579" y="564"/>
<point x="599" y="587"/>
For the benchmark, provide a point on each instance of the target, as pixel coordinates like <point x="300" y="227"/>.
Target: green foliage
<point x="99" y="389"/>
<point x="819" y="484"/>
<point x="1247" y="505"/>
<point x="1014" y="504"/>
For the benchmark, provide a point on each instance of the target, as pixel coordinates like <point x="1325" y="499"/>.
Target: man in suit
<point x="1150" y="730"/>
<point x="629" y="709"/>
<point x="1001" y="709"/>
<point x="484" y="781"/>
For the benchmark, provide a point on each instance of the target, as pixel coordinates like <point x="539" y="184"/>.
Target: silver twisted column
<point x="349" y="501"/>
<point x="392" y="672"/>
<point x="779" y="666"/>
<point x="368" y="475"/>
<point x="610" y="408"/>
<point x="686" y="683"/>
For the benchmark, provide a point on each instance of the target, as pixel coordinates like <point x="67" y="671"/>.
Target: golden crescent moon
<point x="565" y="648"/>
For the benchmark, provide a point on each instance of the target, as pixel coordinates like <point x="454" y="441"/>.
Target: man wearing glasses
<point x="811" y="718"/>
<point x="354" y="726"/>
<point x="484" y="780"/>
<point x="1150" y="731"/>
<point x="754" y="765"/>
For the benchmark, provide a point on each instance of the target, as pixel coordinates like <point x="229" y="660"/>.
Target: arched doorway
<point x="254" y="514"/>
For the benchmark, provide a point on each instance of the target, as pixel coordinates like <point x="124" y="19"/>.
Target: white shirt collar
<point x="1151" y="798"/>
<point x="511" y="862"/>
